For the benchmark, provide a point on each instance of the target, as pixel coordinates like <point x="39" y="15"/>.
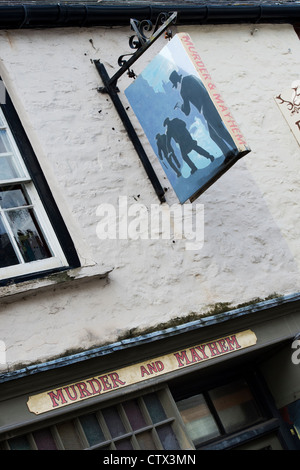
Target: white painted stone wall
<point x="252" y="225"/>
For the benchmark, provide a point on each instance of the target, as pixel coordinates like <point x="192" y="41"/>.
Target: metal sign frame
<point x="110" y="83"/>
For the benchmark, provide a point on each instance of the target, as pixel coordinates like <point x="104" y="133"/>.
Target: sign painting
<point x="185" y="119"/>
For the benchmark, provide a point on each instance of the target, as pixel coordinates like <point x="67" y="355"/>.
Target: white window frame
<point x="58" y="259"/>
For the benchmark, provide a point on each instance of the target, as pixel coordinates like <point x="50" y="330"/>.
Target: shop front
<point x="211" y="384"/>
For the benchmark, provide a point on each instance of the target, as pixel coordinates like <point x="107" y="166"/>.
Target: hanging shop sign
<point x="133" y="374"/>
<point x="185" y="119"/>
<point x="289" y="104"/>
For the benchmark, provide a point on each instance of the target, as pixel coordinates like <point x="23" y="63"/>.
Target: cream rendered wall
<point x="252" y="223"/>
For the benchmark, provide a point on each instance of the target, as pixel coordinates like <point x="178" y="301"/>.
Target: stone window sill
<point x="54" y="280"/>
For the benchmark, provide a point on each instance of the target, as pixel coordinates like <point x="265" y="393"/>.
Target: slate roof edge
<point x="28" y="16"/>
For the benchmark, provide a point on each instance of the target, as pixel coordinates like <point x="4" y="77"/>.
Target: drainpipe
<point x="81" y="15"/>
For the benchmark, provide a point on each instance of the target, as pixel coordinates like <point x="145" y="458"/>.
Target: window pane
<point x="7" y="253"/>
<point x="134" y="414"/>
<point x="113" y="421"/>
<point x="145" y="441"/>
<point x="92" y="429"/>
<point x="27" y="235"/>
<point x="8" y="169"/>
<point x="198" y="419"/>
<point x="154" y="407"/>
<point x="125" y="444"/>
<point x="44" y="440"/>
<point x="4" y="142"/>
<point x="2" y="122"/>
<point x="69" y="435"/>
<point x="235" y="405"/>
<point x="167" y="437"/>
<point x="19" y="443"/>
<point x="12" y="196"/>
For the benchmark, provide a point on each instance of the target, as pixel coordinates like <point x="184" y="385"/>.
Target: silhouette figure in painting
<point x="167" y="153"/>
<point x="176" y="129"/>
<point x="193" y="92"/>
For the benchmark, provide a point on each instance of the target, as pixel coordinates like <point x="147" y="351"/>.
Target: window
<point x="140" y="423"/>
<point x="224" y="417"/>
<point x="218" y="412"/>
<point x="33" y="235"/>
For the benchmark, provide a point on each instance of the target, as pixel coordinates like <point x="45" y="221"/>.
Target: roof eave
<point x="27" y="16"/>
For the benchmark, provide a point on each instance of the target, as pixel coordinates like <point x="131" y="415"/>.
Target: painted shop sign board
<point x="185" y="119"/>
<point x="289" y="104"/>
<point x="133" y="374"/>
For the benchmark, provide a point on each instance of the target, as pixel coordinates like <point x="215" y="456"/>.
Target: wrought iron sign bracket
<point x="140" y="42"/>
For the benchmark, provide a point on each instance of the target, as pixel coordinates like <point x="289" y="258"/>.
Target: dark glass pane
<point x="167" y="437"/>
<point x="134" y="414"/>
<point x="145" y="440"/>
<point x="235" y="405"/>
<point x="19" y="443"/>
<point x="92" y="429"/>
<point x="44" y="440"/>
<point x="198" y="419"/>
<point x="7" y="253"/>
<point x="154" y="407"/>
<point x="28" y="235"/>
<point x="12" y="196"/>
<point x="69" y="436"/>
<point x="113" y="421"/>
<point x="124" y="444"/>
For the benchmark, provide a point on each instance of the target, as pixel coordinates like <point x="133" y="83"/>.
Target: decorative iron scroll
<point x="140" y="38"/>
<point x="141" y="43"/>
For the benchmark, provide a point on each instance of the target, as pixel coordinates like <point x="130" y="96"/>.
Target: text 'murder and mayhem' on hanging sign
<point x="185" y="119"/>
<point x="136" y="373"/>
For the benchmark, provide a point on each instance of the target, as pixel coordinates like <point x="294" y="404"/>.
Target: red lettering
<point x="91" y="383"/>
<point x="218" y="98"/>
<point x="83" y="390"/>
<point x="115" y="378"/>
<point x="156" y="366"/>
<point x="152" y="367"/>
<point x="195" y="355"/>
<point x="144" y="371"/>
<point x="201" y="349"/>
<point x="222" y="345"/>
<point x="74" y="397"/>
<point x="160" y="366"/>
<point x="57" y="396"/>
<point x="213" y="347"/>
<point x="181" y="358"/>
<point x="187" y="40"/>
<point x="232" y="342"/>
<point x="105" y="382"/>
